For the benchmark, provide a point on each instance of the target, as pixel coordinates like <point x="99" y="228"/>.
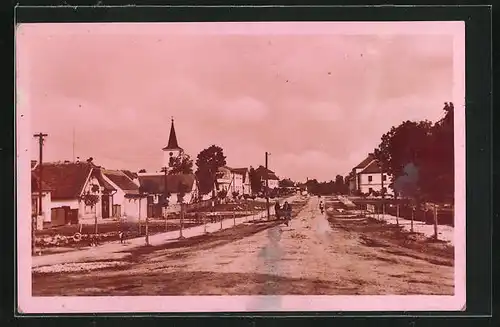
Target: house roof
<point x="33" y="163"/>
<point x="366" y="161"/>
<point x="121" y="180"/>
<point x="372" y="168"/>
<point x="172" y="139"/>
<point x="130" y="174"/>
<point x="68" y="179"/>
<point x="262" y="171"/>
<point x="156" y="183"/>
<point x="35" y="184"/>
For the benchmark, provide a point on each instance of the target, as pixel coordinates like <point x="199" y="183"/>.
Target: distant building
<point x="263" y="174"/>
<point x="234" y="180"/>
<point x="176" y="184"/>
<point x="367" y="177"/>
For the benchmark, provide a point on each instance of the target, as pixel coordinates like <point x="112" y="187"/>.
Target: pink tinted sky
<point x="317" y="101"/>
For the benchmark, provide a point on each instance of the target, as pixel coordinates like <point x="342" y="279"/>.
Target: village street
<point x="312" y="256"/>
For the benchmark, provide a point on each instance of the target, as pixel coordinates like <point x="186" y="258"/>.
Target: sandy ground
<point x="312" y="256"/>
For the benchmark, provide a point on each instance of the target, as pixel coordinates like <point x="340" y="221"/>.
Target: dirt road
<point x="312" y="256"/>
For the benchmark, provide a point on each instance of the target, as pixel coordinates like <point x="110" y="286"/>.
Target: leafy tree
<point x="420" y="157"/>
<point x="181" y="165"/>
<point x="255" y="181"/>
<point x="142" y="171"/>
<point x="208" y="162"/>
<point x="91" y="200"/>
<point x="286" y="182"/>
<point x="339" y="184"/>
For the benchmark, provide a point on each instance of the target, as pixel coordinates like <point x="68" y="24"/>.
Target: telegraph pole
<point x="40" y="137"/>
<point x="267" y="188"/>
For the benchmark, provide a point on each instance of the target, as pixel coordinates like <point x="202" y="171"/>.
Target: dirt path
<point x="310" y="257"/>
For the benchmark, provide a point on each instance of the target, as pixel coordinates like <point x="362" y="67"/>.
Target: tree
<point x="91" y="199"/>
<point x="255" y="181"/>
<point x="407" y="143"/>
<point x="208" y="162"/>
<point x="420" y="157"/>
<point x="286" y="182"/>
<point x="181" y="165"/>
<point x="142" y="171"/>
<point x="339" y="184"/>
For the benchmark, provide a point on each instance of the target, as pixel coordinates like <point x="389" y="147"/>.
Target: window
<point x="384" y="177"/>
<point x="89" y="209"/>
<point x="370" y="178"/>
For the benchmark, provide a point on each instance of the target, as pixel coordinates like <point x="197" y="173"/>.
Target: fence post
<point x="397" y="214"/>
<point x="234" y="218"/>
<point x="435" y="223"/>
<point x="412" y="218"/>
<point x="220" y="217"/>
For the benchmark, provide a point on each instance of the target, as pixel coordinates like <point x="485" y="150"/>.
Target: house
<point x="154" y="184"/>
<point x="367" y="177"/>
<point x="234" y="180"/>
<point x="241" y="181"/>
<point x="127" y="201"/>
<point x="264" y="173"/>
<point x="69" y="181"/>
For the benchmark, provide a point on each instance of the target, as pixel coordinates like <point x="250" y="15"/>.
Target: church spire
<point x="172" y="139"/>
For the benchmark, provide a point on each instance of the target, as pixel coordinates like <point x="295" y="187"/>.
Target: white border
<point x="29" y="304"/>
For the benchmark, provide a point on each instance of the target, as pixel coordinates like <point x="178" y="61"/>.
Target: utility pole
<point x="40" y="137"/>
<point x="165" y="198"/>
<point x="267" y="189"/>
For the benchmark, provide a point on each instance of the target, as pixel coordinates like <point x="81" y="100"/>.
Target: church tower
<point x="172" y="150"/>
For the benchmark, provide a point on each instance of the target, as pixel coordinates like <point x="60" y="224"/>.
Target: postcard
<point x="240" y="167"/>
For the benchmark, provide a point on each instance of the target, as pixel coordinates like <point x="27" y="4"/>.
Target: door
<point x="105" y="205"/>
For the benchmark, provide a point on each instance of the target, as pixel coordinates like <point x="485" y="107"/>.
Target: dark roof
<point x="97" y="173"/>
<point x="366" y="161"/>
<point x="156" y="183"/>
<point x="121" y="180"/>
<point x="35" y="183"/>
<point x="372" y="168"/>
<point x="262" y="171"/>
<point x="130" y="174"/>
<point x="172" y="139"/>
<point x="68" y="179"/>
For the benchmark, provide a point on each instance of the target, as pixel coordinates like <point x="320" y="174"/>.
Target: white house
<point x="127" y="201"/>
<point x="68" y="182"/>
<point x="368" y="177"/>
<point x="155" y="184"/>
<point x="269" y="175"/>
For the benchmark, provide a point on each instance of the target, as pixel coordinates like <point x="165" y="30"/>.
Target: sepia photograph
<point x="240" y="166"/>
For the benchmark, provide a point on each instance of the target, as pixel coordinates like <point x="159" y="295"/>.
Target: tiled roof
<point x="366" y="161"/>
<point x="130" y="174"/>
<point x="262" y="171"/>
<point x="68" y="179"/>
<point x="373" y="168"/>
<point x="156" y="183"/>
<point x="121" y="180"/>
<point x="97" y="173"/>
<point x="35" y="183"/>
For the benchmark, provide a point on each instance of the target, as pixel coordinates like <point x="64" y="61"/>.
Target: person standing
<point x="277" y="209"/>
<point x="287" y="209"/>
<point x="321" y="207"/>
